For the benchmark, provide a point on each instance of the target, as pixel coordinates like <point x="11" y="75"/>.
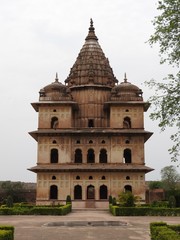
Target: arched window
<point x="78" y="156"/>
<point x="127" y="122"/>
<point x="90" y="177"/>
<point x="127" y="188"/>
<point x="127" y="155"/>
<point x="127" y="141"/>
<point x="103" y="142"/>
<point x="103" y="156"/>
<point x="54" y="122"/>
<point x="53" y="192"/>
<point x="90" y="192"/>
<point x="53" y="177"/>
<point x="127" y="177"/>
<point x="90" y="141"/>
<point x="90" y="156"/>
<point x="90" y="122"/>
<point x="77" y="177"/>
<point x="103" y="193"/>
<point x="103" y="178"/>
<point x="54" y="142"/>
<point x="77" y="192"/>
<point x="54" y="155"/>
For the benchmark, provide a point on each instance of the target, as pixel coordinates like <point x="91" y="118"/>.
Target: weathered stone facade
<point x="90" y="134"/>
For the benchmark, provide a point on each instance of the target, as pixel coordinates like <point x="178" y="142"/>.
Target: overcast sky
<point x="41" y="37"/>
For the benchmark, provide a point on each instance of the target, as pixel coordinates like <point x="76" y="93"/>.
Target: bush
<point x="172" y="202"/>
<point x="68" y="199"/>
<point x="36" y="210"/>
<point x="6" y="232"/>
<point x="162" y="231"/>
<point x="110" y="199"/>
<point x="144" y="211"/>
<point x="114" y="201"/>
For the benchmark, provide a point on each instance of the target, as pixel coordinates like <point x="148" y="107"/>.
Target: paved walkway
<point x="52" y="227"/>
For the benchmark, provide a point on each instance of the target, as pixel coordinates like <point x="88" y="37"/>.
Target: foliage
<point x="9" y="201"/>
<point x="170" y="177"/>
<point x="13" y="189"/>
<point x="143" y="211"/>
<point x="6" y="232"/>
<point x="68" y="199"/>
<point x="166" y="99"/>
<point x="172" y="202"/>
<point x="37" y="210"/>
<point x="114" y="201"/>
<point x="110" y="199"/>
<point x="162" y="231"/>
<point x="155" y="185"/>
<point x="167" y="31"/>
<point x="127" y="199"/>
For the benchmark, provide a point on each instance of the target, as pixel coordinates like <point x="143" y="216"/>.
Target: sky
<point x="40" y="37"/>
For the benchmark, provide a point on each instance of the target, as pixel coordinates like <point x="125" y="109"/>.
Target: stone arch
<point x="103" y="192"/>
<point x="103" y="156"/>
<point x="127" y="155"/>
<point x="90" y="156"/>
<point x="54" y="155"/>
<point x="127" y="122"/>
<point x="77" y="192"/>
<point x="54" y="122"/>
<point x="90" y="192"/>
<point x="78" y="156"/>
<point x="53" y="192"/>
<point x="128" y="188"/>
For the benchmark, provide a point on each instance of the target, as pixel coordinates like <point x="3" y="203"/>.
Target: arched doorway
<point x="53" y="192"/>
<point x="127" y="155"/>
<point x="103" y="192"/>
<point x="103" y="156"/>
<point x="54" y="155"/>
<point x="128" y="188"/>
<point x="77" y="192"/>
<point x="78" y="156"/>
<point x="90" y="192"/>
<point x="90" y="156"/>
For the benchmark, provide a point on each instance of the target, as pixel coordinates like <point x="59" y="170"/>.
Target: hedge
<point x="37" y="210"/>
<point x="143" y="211"/>
<point x="162" y="231"/>
<point x="6" y="232"/>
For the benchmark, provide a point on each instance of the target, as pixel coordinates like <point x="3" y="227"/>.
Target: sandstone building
<point x="90" y="134"/>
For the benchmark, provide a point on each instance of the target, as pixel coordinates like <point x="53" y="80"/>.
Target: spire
<point x="56" y="79"/>
<point x="125" y="78"/>
<point x="91" y="34"/>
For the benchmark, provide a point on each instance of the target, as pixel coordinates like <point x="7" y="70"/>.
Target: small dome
<point x="125" y="91"/>
<point x="55" y="91"/>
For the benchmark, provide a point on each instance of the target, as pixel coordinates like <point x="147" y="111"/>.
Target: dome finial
<point x="91" y="35"/>
<point x="125" y="78"/>
<point x="91" y="23"/>
<point x="56" y="79"/>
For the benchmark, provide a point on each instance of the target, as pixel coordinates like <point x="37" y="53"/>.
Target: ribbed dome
<point x="126" y="91"/>
<point x="91" y="66"/>
<point x="55" y="91"/>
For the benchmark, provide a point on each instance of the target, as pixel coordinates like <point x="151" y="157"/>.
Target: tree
<point x="13" y="189"/>
<point x="127" y="199"/>
<point x="155" y="185"/>
<point x="170" y="178"/>
<point x="167" y="94"/>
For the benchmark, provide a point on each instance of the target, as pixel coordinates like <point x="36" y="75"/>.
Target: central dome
<point x="91" y="66"/>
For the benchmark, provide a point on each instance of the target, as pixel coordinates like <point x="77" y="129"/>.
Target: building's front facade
<point x="90" y="134"/>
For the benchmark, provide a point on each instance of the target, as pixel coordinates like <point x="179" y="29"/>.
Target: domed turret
<point x="55" y="91"/>
<point x="125" y="91"/>
<point x="91" y="66"/>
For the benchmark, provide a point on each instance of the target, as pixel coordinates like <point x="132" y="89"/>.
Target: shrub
<point x="6" y="232"/>
<point x="110" y="199"/>
<point x="114" y="201"/>
<point x="127" y="199"/>
<point x="162" y="231"/>
<point x="9" y="201"/>
<point x="68" y="199"/>
<point x="172" y="202"/>
<point x="145" y="211"/>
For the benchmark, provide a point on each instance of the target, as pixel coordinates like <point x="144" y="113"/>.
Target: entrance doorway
<point x="90" y="192"/>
